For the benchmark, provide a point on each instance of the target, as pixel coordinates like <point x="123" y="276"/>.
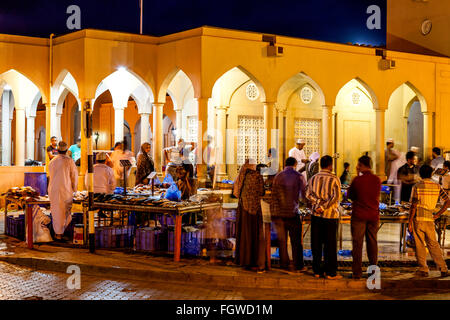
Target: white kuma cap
<point x="300" y="141"/>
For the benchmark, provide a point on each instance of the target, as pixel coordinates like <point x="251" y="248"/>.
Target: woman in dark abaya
<point x="250" y="245"/>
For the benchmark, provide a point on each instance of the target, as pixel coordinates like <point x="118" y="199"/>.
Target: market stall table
<point x="28" y="209"/>
<point x="178" y="212"/>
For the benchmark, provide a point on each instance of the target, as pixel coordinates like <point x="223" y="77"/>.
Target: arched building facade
<point x="220" y="83"/>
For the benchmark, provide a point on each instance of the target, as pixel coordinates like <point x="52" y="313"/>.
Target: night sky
<point x="329" y="20"/>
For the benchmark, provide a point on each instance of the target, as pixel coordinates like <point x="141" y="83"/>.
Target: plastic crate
<point x="15" y="226"/>
<point x="114" y="237"/>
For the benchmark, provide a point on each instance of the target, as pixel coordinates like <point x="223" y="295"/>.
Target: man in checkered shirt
<point x="425" y="196"/>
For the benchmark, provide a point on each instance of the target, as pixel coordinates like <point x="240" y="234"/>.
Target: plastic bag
<point x="307" y="253"/>
<point x="168" y="179"/>
<point x="118" y="190"/>
<point x="276" y="254"/>
<point x="41" y="233"/>
<point x="345" y="253"/>
<point x="410" y="242"/>
<point x="192" y="247"/>
<point x="173" y="194"/>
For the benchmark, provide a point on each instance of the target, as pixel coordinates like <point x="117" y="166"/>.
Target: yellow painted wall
<point x="404" y="20"/>
<point x="205" y="54"/>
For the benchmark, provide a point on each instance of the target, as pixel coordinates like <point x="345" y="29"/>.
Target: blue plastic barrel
<point x="36" y="180"/>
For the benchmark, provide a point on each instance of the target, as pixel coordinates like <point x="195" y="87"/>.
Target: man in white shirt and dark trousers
<point x="323" y="192"/>
<point x="298" y="153"/>
<point x="104" y="181"/>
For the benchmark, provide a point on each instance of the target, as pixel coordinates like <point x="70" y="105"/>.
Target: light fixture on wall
<point x="96" y="136"/>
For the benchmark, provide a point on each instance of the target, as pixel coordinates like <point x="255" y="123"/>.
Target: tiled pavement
<point x="22" y="282"/>
<point x="19" y="283"/>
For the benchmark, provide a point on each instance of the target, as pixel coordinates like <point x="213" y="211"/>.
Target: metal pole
<point x="90" y="185"/>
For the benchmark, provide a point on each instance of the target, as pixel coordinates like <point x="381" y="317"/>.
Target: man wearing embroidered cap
<point x="63" y="183"/>
<point x="104" y="181"/>
<point x="298" y="153"/>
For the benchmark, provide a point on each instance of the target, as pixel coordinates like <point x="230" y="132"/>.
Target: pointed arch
<point x="241" y="75"/>
<point x="365" y="88"/>
<point x="124" y="83"/>
<point x="175" y="84"/>
<point x="23" y="89"/>
<point x="295" y="83"/>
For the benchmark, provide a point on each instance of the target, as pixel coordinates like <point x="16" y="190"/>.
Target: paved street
<point x="24" y="283"/>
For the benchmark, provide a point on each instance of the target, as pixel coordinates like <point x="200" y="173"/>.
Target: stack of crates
<point x="191" y="242"/>
<point x="146" y="239"/>
<point x="15" y="226"/>
<point x="114" y="237"/>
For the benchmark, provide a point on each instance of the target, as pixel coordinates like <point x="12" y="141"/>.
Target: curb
<point x="264" y="281"/>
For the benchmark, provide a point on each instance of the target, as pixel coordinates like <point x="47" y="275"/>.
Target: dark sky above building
<point x="329" y="20"/>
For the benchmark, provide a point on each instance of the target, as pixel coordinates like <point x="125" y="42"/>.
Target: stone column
<point x="327" y="133"/>
<point x="119" y="123"/>
<point x="53" y="122"/>
<point x="282" y="152"/>
<point x="58" y="127"/>
<point x="269" y="108"/>
<point x="202" y="112"/>
<point x="221" y="142"/>
<point x="145" y="128"/>
<point x="158" y="136"/>
<point x="30" y="137"/>
<point x="6" y="130"/>
<point x="20" y="137"/>
<point x="179" y="123"/>
<point x="380" y="127"/>
<point x="427" y="134"/>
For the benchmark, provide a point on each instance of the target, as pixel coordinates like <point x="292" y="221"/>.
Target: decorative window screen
<point x="252" y="92"/>
<point x="309" y="130"/>
<point x="250" y="139"/>
<point x="192" y="130"/>
<point x="356" y="98"/>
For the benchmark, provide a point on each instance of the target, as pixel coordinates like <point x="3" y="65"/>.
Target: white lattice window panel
<point x="309" y="130"/>
<point x="356" y="98"/>
<point x="252" y="92"/>
<point x="250" y="139"/>
<point x="192" y="131"/>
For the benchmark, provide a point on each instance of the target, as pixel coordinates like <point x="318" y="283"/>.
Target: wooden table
<point x="28" y="208"/>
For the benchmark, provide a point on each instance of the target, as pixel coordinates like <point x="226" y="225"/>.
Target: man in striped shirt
<point x="323" y="192"/>
<point x="425" y="196"/>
